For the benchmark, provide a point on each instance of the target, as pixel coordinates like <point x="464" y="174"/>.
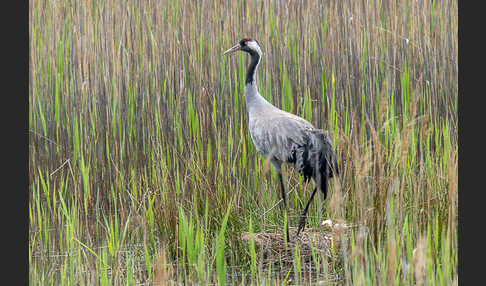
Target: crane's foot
<point x="301" y="224"/>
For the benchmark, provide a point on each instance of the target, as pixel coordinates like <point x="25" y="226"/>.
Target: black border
<point x="15" y="141"/>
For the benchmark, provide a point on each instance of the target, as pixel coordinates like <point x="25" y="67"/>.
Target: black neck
<point x="251" y="72"/>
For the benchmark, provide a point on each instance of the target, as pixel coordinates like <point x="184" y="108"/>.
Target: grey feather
<point x="285" y="138"/>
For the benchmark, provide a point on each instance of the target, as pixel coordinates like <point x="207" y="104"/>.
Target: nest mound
<point x="273" y="247"/>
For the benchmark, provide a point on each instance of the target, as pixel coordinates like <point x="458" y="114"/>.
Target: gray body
<point x="283" y="137"/>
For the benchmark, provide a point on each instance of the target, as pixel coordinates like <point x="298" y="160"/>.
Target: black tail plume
<point x="316" y="158"/>
<point x="325" y="156"/>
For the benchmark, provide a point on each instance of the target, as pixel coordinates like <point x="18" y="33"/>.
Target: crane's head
<point x="248" y="45"/>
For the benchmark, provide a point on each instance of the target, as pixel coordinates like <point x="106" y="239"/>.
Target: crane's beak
<point x="233" y="49"/>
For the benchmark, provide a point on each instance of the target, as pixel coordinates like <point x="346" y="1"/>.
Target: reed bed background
<point x="142" y="170"/>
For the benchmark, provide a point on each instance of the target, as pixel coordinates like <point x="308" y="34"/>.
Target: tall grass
<point x="141" y="168"/>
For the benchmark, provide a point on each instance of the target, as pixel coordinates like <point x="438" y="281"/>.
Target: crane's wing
<point x="285" y="137"/>
<point x="276" y="136"/>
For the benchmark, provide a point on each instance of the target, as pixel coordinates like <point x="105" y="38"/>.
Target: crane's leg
<point x="284" y="197"/>
<point x="303" y="216"/>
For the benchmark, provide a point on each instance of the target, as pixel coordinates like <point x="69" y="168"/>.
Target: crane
<point x="282" y="137"/>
